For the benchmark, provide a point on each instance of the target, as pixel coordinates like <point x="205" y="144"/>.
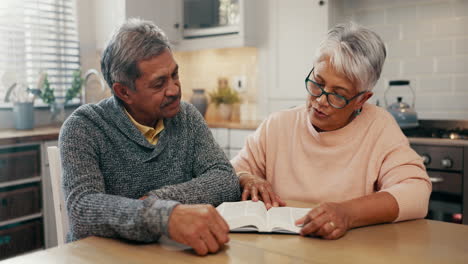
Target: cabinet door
<point x="166" y="14"/>
<point x="238" y="137"/>
<point x="108" y="15"/>
<point x="296" y="28"/>
<point x="221" y="136"/>
<point x="17" y="163"/>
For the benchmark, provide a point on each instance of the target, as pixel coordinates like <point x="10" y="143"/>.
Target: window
<point x="38" y="36"/>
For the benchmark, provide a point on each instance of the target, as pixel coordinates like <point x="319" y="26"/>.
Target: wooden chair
<point x="61" y="218"/>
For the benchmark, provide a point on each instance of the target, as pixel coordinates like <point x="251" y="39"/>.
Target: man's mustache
<point x="171" y="99"/>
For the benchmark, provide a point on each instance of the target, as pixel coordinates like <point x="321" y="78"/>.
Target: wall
<point x="427" y="43"/>
<point x="201" y="69"/>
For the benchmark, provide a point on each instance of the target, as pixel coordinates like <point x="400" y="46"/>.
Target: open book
<point x="249" y="216"/>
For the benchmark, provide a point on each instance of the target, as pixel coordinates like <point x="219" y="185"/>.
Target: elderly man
<point x="133" y="162"/>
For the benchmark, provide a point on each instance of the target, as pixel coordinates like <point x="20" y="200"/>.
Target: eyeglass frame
<point x="327" y="93"/>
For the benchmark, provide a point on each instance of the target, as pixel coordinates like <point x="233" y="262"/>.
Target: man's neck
<point x="141" y="120"/>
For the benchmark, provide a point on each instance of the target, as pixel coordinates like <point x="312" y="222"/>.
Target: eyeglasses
<point x="335" y="100"/>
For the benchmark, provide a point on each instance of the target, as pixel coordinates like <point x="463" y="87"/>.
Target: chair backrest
<point x="61" y="218"/>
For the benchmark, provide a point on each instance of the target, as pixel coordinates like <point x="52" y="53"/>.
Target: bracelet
<point x="239" y="174"/>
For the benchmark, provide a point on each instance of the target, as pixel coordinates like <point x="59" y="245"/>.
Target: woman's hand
<point x="328" y="220"/>
<point x="259" y="189"/>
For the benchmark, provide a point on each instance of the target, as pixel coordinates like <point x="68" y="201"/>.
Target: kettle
<point x="404" y="114"/>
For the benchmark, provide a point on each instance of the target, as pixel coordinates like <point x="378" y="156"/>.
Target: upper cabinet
<point x="110" y="14"/>
<point x="295" y="30"/>
<point x="209" y="24"/>
<point x="166" y="14"/>
<point x="201" y="24"/>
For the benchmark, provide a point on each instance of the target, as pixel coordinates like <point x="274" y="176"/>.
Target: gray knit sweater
<point x="108" y="164"/>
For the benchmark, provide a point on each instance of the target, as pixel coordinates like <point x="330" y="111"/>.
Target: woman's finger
<point x="245" y="194"/>
<point x="254" y="193"/>
<point x="280" y="201"/>
<point x="272" y="195"/>
<point x="265" y="196"/>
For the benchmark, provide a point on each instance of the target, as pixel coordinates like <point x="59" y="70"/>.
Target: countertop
<point x="417" y="241"/>
<point x="13" y="136"/>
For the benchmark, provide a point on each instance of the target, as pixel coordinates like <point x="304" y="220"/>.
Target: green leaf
<point x="75" y="89"/>
<point x="224" y="95"/>
<point x="47" y="94"/>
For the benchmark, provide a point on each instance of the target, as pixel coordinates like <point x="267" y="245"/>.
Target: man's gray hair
<point x="355" y="52"/>
<point x="134" y="41"/>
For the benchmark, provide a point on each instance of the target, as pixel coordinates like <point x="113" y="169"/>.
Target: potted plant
<point x="223" y="98"/>
<point x="57" y="104"/>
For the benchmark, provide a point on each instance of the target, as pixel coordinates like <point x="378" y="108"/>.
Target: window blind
<point x="38" y="36"/>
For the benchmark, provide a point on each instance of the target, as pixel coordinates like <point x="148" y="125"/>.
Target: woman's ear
<point x="363" y="98"/>
<point x="121" y="91"/>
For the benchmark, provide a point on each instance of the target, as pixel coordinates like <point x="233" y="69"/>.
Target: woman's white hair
<point x="354" y="52"/>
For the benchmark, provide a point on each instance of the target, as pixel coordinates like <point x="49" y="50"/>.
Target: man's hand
<point x="259" y="189"/>
<point x="328" y="220"/>
<point x="199" y="226"/>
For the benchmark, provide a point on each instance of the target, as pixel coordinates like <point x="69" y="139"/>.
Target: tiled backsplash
<point x="427" y="42"/>
<point x="201" y="69"/>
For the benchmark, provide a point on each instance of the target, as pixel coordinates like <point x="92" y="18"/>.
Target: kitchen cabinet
<point x="295" y="30"/>
<point x="26" y="211"/>
<point x="231" y="140"/>
<point x="21" y="215"/>
<point x="168" y="15"/>
<point x="110" y="14"/>
<point x="244" y="34"/>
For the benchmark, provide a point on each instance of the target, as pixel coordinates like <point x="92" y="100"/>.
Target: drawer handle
<point x="436" y="179"/>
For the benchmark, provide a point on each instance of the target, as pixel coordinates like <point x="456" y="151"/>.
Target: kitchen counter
<point x="13" y="136"/>
<point x="248" y="125"/>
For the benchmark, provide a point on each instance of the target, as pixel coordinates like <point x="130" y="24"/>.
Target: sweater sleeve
<point x="252" y="157"/>
<point x="213" y="178"/>
<point x="403" y="175"/>
<point x="90" y="210"/>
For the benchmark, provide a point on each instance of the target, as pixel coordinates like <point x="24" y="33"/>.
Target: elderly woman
<point x="348" y="156"/>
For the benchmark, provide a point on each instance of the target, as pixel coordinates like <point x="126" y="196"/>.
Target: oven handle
<point x="436" y="179"/>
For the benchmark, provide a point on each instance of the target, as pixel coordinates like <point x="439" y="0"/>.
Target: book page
<point x="244" y="216"/>
<point x="281" y="219"/>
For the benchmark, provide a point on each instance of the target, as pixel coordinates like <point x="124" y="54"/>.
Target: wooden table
<point x="419" y="241"/>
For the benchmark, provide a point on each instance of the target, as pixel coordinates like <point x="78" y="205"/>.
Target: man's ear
<point x="122" y="92"/>
<point x="363" y="99"/>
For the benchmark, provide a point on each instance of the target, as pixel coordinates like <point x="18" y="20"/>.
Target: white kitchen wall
<point x="427" y="43"/>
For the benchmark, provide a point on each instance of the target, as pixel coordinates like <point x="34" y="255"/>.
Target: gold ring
<point x="332" y="224"/>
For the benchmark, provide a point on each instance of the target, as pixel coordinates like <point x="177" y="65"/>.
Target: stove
<point x="448" y="129"/>
<point x="443" y="145"/>
<point x="454" y="133"/>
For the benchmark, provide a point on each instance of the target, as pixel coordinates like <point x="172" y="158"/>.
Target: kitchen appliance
<point x="443" y="145"/>
<point x="404" y="114"/>
<point x="205" y="18"/>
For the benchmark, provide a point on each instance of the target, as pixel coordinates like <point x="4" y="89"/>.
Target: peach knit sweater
<point x="368" y="155"/>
